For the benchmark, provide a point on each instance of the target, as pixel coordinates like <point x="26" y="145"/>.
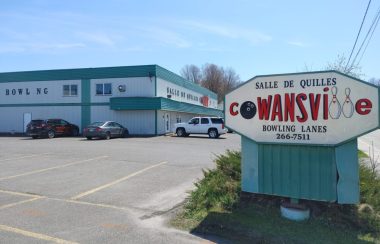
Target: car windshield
<point x="97" y="124"/>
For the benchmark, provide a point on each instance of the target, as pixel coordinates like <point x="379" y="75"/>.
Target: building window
<point x="104" y="89"/>
<point x="70" y="90"/>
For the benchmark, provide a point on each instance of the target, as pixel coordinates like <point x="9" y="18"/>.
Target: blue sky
<point x="252" y="37"/>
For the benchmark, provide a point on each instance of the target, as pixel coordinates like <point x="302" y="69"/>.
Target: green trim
<point x="76" y="74"/>
<point x="348" y="170"/>
<point x="160" y="103"/>
<point x="86" y="99"/>
<point x="249" y="165"/>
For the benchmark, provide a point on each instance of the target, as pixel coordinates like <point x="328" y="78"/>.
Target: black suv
<point x="51" y="128"/>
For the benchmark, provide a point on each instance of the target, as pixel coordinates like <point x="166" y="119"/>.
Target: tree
<point x="191" y="73"/>
<point x="375" y="81"/>
<point x="217" y="79"/>
<point x="340" y="64"/>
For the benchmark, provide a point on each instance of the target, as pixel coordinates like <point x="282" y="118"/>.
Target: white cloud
<point x="232" y="32"/>
<point x="98" y="38"/>
<point x="167" y="37"/>
<point x="298" y="44"/>
<point x="38" y="47"/>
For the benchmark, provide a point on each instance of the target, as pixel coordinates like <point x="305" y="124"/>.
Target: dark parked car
<point x="104" y="129"/>
<point x="51" y="128"/>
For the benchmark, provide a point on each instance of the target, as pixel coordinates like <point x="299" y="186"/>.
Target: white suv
<point x="213" y="126"/>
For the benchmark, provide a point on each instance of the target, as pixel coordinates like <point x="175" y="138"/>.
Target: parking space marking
<point x="90" y="204"/>
<point x="35" y="235"/>
<point x="116" y="181"/>
<point x="20" y="202"/>
<point x="51" y="168"/>
<point x="18" y="193"/>
<point x="29" y="156"/>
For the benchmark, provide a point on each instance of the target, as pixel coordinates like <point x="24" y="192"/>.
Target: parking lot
<point x="71" y="190"/>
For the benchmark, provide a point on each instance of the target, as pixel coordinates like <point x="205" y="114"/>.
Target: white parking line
<point x="51" y="168"/>
<point x="20" y="202"/>
<point x="18" y="193"/>
<point x="35" y="235"/>
<point x="116" y="181"/>
<point x="28" y="156"/>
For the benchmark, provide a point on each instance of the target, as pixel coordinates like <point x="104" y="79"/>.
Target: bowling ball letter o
<point x="248" y="110"/>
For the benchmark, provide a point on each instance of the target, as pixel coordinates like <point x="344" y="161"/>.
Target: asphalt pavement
<point x="71" y="190"/>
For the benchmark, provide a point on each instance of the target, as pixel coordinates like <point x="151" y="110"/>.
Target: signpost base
<point x="294" y="211"/>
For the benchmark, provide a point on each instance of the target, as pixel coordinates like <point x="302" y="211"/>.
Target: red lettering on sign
<point x="289" y="107"/>
<point x="277" y="109"/>
<point x="325" y="106"/>
<point x="264" y="106"/>
<point x="363" y="106"/>
<point x="232" y="106"/>
<point x="299" y="99"/>
<point x="314" y="105"/>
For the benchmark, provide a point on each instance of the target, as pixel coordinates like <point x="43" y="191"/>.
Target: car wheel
<point x="51" y="134"/>
<point x="213" y="133"/>
<point x="89" y="137"/>
<point x="125" y="133"/>
<point x="75" y="132"/>
<point x="181" y="132"/>
<point x="108" y="135"/>
<point x="34" y="137"/>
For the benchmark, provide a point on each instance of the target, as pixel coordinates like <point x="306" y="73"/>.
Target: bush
<point x="219" y="189"/>
<point x="369" y="187"/>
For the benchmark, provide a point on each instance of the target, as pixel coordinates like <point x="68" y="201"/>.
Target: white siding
<point x="137" y="122"/>
<point x="54" y="91"/>
<point x="163" y="85"/>
<point x="12" y="117"/>
<point x="135" y="87"/>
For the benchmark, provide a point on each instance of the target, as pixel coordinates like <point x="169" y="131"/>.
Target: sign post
<point x="299" y="133"/>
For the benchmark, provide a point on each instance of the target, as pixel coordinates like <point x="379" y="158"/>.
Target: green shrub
<point x="220" y="187"/>
<point x="369" y="187"/>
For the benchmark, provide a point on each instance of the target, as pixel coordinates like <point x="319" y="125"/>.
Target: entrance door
<point x="27" y="119"/>
<point x="167" y="123"/>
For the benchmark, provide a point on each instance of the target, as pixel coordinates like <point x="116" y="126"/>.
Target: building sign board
<point x="321" y="108"/>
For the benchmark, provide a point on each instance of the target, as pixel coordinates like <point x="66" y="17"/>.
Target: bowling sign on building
<point x="323" y="108"/>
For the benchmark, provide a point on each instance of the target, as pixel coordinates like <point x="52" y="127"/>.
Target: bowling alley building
<point x="146" y="99"/>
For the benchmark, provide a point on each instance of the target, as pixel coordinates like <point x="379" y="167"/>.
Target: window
<point x="194" y="121"/>
<point x="104" y="89"/>
<point x="204" y="121"/>
<point x="217" y="120"/>
<point x="70" y="90"/>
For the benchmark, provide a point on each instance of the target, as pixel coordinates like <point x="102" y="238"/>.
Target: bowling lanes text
<point x="303" y="131"/>
<point x="293" y="128"/>
<point x="290" y="83"/>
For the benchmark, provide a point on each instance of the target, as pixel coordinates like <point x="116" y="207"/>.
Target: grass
<point x="218" y="207"/>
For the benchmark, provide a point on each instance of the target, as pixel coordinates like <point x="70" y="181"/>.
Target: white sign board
<point x="323" y="108"/>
